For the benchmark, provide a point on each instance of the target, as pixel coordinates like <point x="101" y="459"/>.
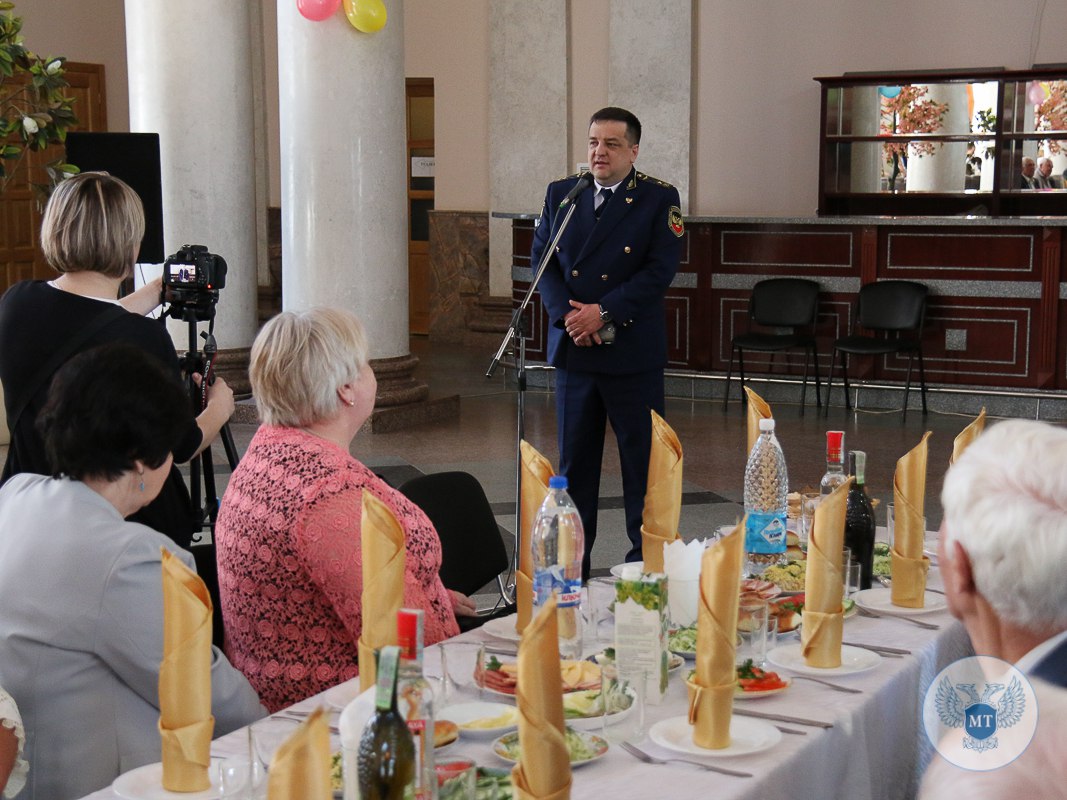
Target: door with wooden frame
<point x="420" y="172"/>
<point x="20" y="216"/>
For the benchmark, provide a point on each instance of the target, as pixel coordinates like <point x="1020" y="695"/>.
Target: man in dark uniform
<point x="603" y="291"/>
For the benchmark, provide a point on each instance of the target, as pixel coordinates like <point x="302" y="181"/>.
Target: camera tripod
<point x="203" y="362"/>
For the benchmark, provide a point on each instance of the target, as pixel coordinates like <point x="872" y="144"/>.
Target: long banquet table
<point x="876" y="748"/>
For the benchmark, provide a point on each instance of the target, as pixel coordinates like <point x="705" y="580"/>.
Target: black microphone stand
<point x="516" y="331"/>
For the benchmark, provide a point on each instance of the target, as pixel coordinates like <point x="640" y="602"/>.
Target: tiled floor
<point x="483" y="440"/>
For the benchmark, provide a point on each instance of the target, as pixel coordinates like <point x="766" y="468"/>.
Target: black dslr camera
<point x="192" y="278"/>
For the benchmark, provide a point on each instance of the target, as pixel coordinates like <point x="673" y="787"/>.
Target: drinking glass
<point x="266" y="736"/>
<point x="890" y="527"/>
<point x="459" y="661"/>
<point x="752" y="616"/>
<point x="241" y="777"/>
<point x="853" y="576"/>
<point x="616" y="690"/>
<point x="599" y="594"/>
<point x="808" y="503"/>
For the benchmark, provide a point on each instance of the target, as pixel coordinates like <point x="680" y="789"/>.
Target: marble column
<point x="191" y="81"/>
<point x="944" y="170"/>
<point x="649" y="73"/>
<point x="528" y="131"/>
<point x="344" y="194"/>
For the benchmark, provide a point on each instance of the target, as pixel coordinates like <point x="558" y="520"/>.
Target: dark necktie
<point x="602" y="199"/>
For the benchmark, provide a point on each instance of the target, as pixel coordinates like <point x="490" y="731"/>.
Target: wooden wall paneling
<point x="1049" y="316"/>
<point x="993" y="339"/>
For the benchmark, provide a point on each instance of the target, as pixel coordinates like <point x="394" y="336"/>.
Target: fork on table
<point x="643" y="756"/>
<point x="888" y="583"/>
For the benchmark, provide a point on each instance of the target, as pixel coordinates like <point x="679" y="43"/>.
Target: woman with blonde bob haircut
<point x="91" y="232"/>
<point x="288" y="532"/>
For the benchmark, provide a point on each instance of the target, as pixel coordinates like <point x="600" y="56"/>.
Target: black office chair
<point x="895" y="311"/>
<point x="789" y="303"/>
<point x="472" y="550"/>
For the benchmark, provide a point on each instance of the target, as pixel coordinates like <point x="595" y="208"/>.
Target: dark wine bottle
<point x="386" y="750"/>
<point x="859" y="519"/>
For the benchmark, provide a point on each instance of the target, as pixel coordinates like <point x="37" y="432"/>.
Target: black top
<point x="35" y="319"/>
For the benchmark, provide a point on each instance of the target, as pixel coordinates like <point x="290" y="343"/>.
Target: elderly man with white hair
<point x="1003" y="545"/>
<point x="1002" y="550"/>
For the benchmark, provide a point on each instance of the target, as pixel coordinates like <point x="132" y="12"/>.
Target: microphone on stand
<point x="584" y="182"/>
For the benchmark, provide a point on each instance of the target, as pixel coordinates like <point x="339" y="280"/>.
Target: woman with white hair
<point x="288" y="533"/>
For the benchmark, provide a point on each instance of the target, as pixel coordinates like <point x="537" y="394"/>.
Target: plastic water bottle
<point x="558" y="544"/>
<point x="766" y="498"/>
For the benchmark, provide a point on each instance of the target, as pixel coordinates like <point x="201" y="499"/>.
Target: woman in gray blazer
<point x="81" y="633"/>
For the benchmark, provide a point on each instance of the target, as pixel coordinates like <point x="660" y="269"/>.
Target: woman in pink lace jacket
<point x="288" y="532"/>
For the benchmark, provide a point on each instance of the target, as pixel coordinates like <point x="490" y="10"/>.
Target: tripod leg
<point x="229" y="446"/>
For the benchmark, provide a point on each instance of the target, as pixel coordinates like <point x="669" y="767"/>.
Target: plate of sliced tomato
<point x="753" y="682"/>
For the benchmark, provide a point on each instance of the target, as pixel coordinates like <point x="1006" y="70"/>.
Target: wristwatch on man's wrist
<point x="605" y="315"/>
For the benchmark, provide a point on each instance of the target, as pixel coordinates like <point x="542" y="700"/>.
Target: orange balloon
<point x="367" y="16"/>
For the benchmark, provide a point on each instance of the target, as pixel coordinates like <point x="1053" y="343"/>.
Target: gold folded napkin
<point x="712" y="697"/>
<point x="909" y="497"/>
<point x="382" y="543"/>
<point x="823" y="615"/>
<point x="544" y="768"/>
<point x="301" y="766"/>
<point x="185" y="721"/>
<point x="663" y="498"/>
<point x="967" y="436"/>
<point x="536" y="470"/>
<point x="758" y="409"/>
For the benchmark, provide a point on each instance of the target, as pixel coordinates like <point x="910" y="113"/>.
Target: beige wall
<point x="755" y="105"/>
<point x="449" y="42"/>
<point x="94" y="32"/>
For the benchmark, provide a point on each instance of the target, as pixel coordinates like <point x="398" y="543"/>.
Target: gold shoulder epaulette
<point x="643" y="177"/>
<point x="568" y="177"/>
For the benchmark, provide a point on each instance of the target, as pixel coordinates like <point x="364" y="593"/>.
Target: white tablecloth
<point x="876" y="748"/>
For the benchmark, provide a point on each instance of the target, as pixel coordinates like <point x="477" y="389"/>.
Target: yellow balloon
<point x="367" y="16"/>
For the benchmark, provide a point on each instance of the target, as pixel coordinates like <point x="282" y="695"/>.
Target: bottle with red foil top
<point x="835" y="462"/>
<point x="415" y="700"/>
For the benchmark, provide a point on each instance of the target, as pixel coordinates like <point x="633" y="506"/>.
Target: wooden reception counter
<point x="997" y="314"/>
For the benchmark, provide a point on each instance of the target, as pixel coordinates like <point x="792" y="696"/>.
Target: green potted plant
<point x="35" y="111"/>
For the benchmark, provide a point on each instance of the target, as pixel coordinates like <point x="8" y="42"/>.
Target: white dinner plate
<point x="747" y="735"/>
<point x="853" y="660"/>
<point x="598" y="745"/>
<point x="880" y="599"/>
<point x="502" y="628"/>
<point x="342" y="694"/>
<point x="596" y="723"/>
<point x="617" y="569"/>
<point x="740" y="694"/>
<point x="146" y="783"/>
<point x="465" y="713"/>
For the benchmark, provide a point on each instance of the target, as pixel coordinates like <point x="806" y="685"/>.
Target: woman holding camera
<point x="91" y="232"/>
<point x="288" y="533"/>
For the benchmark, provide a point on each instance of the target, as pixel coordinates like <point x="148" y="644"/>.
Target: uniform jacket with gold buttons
<point x="624" y="261"/>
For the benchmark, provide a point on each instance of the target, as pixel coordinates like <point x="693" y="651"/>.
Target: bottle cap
<point x="557" y="482"/>
<point x="766" y="424"/>
<point x="835" y="441"/>
<point x="409" y="623"/>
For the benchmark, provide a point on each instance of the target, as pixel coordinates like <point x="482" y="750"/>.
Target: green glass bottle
<point x="386" y="750"/>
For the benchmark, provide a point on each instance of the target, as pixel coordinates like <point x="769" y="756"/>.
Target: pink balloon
<point x="1036" y="93"/>
<point x="317" y="10"/>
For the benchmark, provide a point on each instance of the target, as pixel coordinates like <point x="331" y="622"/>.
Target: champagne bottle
<point x="386" y="750"/>
<point x="415" y="700"/>
<point x="859" y="519"/>
<point x="835" y="465"/>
